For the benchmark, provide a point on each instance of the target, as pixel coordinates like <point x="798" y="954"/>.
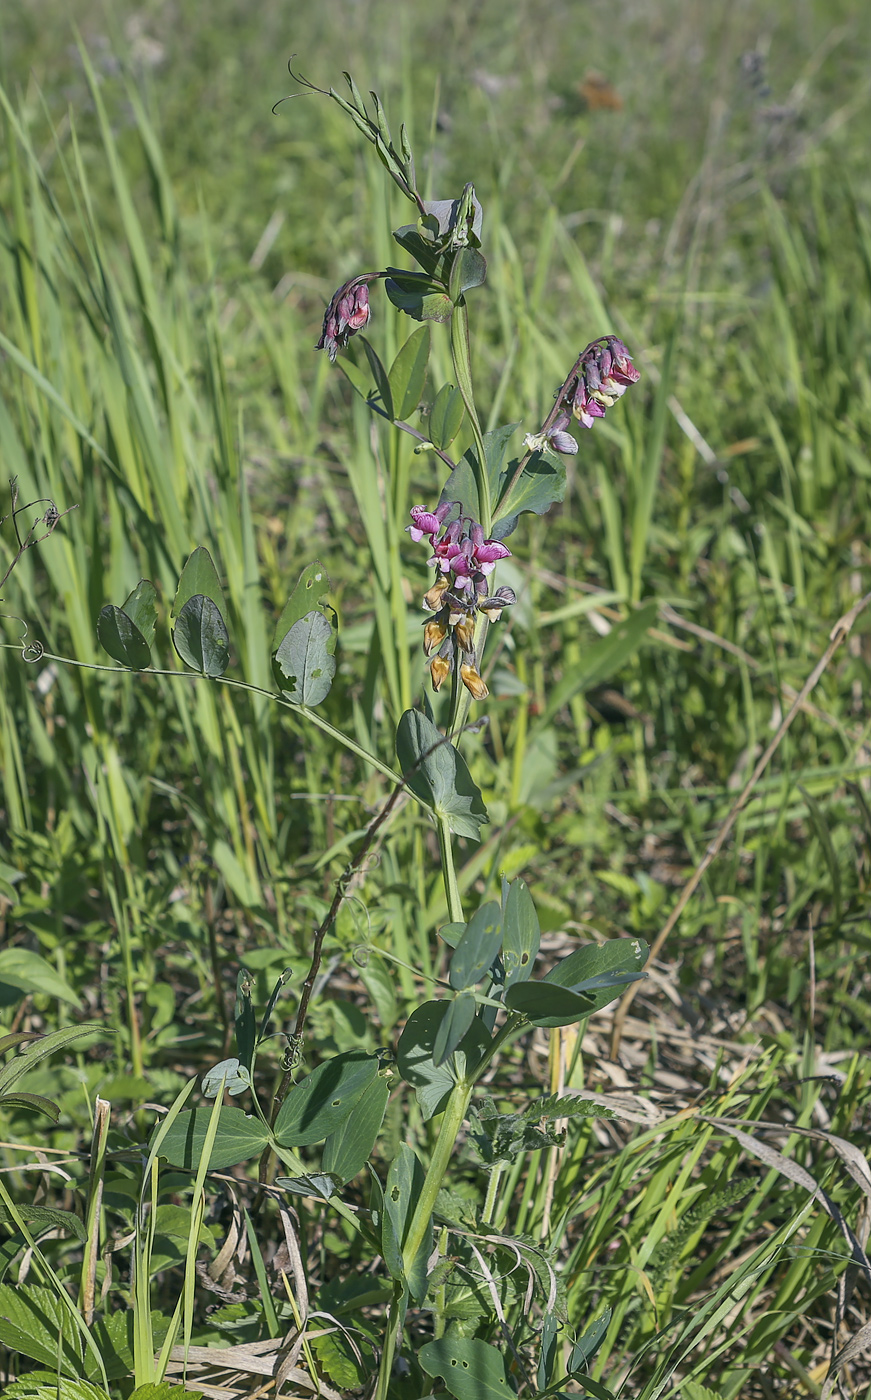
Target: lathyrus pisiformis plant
<point x="442" y="1303"/>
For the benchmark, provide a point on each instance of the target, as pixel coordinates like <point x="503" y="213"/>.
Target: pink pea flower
<point x="346" y="314"/>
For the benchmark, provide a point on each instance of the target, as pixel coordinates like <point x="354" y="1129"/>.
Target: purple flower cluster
<point x="346" y="314"/>
<point x="600" y="377"/>
<point x="462" y="559"/>
<point x="604" y="373"/>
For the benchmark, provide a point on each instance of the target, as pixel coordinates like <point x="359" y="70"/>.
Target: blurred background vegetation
<point x="692" y="177"/>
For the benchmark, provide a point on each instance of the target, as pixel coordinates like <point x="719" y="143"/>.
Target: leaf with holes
<point x="521" y="934"/>
<point x="348" y="1149"/>
<point x="312" y="586"/>
<point x="471" y="1369"/>
<point x="320" y="1104"/>
<point x="304" y="659"/>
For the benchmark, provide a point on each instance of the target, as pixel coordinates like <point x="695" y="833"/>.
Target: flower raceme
<point x="599" y="377"/>
<point x="462" y="559"/>
<point x="347" y="313"/>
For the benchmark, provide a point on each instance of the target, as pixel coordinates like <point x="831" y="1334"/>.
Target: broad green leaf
<point x="164" y="1390"/>
<point x="380" y="375"/>
<point x="521" y="934"/>
<point x="452" y="933"/>
<point x="199" y="576"/>
<point x="348" y="1149"/>
<point x="418" y="299"/>
<point x="122" y="639"/>
<point x="446" y="417"/>
<point x="408" y="373"/>
<point x="141" y="608"/>
<point x="471" y="1369"/>
<point x="238" y="1139"/>
<point x="46" y="1045"/>
<point x="35" y="1323"/>
<point x="304" y="660"/>
<point x="30" y="974"/>
<point x="414" y="1055"/>
<point x="359" y="379"/>
<point x="692" y="1390"/>
<point x="537" y="999"/>
<point x="46" y="1385"/>
<point x="442" y="214"/>
<point x="542" y="484"/>
<point x="41" y="1218"/>
<point x="230" y="1075"/>
<point x="476" y="950"/>
<point x="462" y="484"/>
<point x="437" y="772"/>
<point x="585" y="1347"/>
<point x="405" y="1181"/>
<point x="595" y="973"/>
<point x="548" y="1351"/>
<point x="391" y="1251"/>
<point x="312" y="585"/>
<point x="200" y="636"/>
<point x="469" y="270"/>
<point x="320" y="1104"/>
<point x="431" y="258"/>
<point x="601" y="659"/>
<point x="339" y="1362"/>
<point x="321" y="1185"/>
<point x="455" y="1023"/>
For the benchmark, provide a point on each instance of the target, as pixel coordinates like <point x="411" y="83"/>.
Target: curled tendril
<point x="361" y="955"/>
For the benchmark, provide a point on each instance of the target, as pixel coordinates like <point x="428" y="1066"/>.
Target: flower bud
<point x="346" y="314"/>
<point x="434" y="634"/>
<point x="471" y="678"/>
<point x="439" y="669"/>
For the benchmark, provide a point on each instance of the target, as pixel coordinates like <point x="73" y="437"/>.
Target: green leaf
<point x="46" y="1385"/>
<point x="304" y="660"/>
<point x="471" y="1369"/>
<point x="408" y="373"/>
<point x="381" y="377"/>
<point x="585" y="1347"/>
<point x="33" y="1322"/>
<point x="446" y="417"/>
<point x="430" y="256"/>
<point x="348" y="1149"/>
<point x="164" y="1390"/>
<point x="199" y="576"/>
<point x="455" y="1023"/>
<point x="692" y="1390"/>
<point x="601" y="659"/>
<point x="391" y="1251"/>
<point x="437" y="772"/>
<point x="541" y="485"/>
<point x="462" y="484"/>
<point x="122" y="639"/>
<point x="321" y="1185"/>
<point x="415" y="1056"/>
<point x="230" y="1074"/>
<point x="200" y="636"/>
<point x="405" y="1181"/>
<point x="359" y="380"/>
<point x="141" y="608"/>
<point x="418" y="298"/>
<point x="44" y="1218"/>
<point x="478" y="947"/>
<point x="36" y="1102"/>
<point x="536" y="999"/>
<point x="312" y="586"/>
<point x="244" y="1021"/>
<point x="521" y="934"/>
<point x="334" y="1352"/>
<point x="46" y="1045"/>
<point x="31" y="974"/>
<point x="320" y="1104"/>
<point x="821" y="831"/>
<point x="469" y="270"/>
<point x="593" y="975"/>
<point x="238" y="1139"/>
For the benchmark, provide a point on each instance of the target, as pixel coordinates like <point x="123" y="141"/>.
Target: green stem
<point x="492" y="1188"/>
<point x="388" y="1350"/>
<point x="449" y="874"/>
<point x="462" y="358"/>
<point x="452" y="1122"/>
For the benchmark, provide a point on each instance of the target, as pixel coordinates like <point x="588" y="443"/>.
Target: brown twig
<point x="838" y="635"/>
